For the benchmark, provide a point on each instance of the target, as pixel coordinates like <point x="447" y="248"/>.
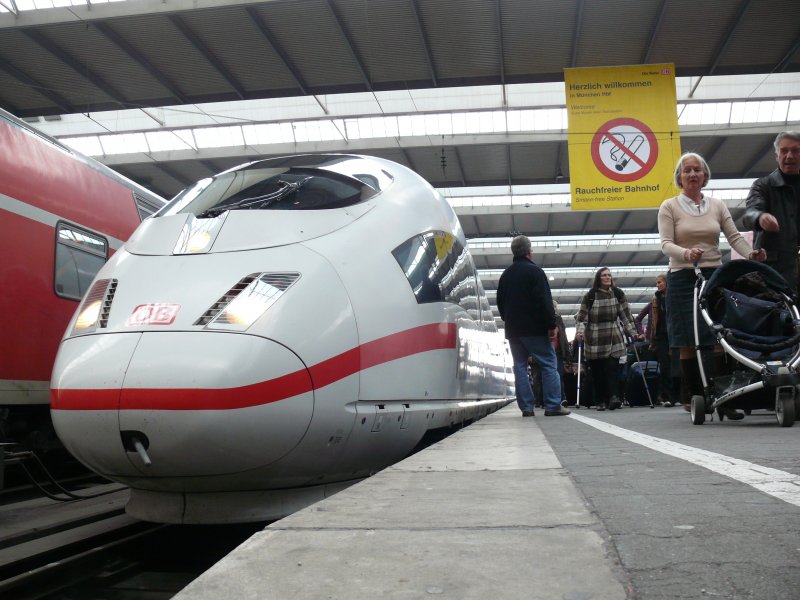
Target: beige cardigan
<point x="680" y="230"/>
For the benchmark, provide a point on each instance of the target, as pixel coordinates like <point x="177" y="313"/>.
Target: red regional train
<point x="62" y="215"/>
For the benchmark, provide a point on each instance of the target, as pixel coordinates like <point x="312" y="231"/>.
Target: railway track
<point x="92" y="549"/>
<point x="40" y="536"/>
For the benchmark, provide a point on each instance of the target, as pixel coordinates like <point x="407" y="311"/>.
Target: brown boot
<point x="691" y="384"/>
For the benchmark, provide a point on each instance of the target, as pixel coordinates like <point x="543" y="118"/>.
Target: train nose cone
<point x="199" y="403"/>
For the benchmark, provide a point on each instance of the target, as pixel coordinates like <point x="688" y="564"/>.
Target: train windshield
<point x="280" y="185"/>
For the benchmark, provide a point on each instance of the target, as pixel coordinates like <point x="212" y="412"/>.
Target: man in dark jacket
<point x="526" y="306"/>
<point x="773" y="211"/>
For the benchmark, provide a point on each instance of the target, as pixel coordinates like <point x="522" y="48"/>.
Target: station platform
<point x="488" y="512"/>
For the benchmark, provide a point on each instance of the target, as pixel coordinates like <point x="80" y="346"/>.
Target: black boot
<point x="691" y="384"/>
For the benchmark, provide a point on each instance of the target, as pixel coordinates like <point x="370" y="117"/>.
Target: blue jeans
<point x="540" y="348"/>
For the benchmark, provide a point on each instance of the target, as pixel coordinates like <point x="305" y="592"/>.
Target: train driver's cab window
<point x="79" y="256"/>
<point x="281" y="185"/>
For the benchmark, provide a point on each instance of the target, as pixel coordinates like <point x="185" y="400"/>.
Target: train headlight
<point x="198" y="235"/>
<point x="244" y="310"/>
<point x="88" y="316"/>
<point x="199" y="242"/>
<point x="96" y="306"/>
<point x="245" y="302"/>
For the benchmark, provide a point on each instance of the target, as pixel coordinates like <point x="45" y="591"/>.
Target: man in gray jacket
<point x="773" y="209"/>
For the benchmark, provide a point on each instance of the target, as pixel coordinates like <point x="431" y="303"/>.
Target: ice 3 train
<point x="274" y="333"/>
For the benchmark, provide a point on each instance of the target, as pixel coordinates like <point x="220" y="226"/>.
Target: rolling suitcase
<point x="635" y="392"/>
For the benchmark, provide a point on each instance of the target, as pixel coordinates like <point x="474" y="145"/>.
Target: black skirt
<point x="680" y="304"/>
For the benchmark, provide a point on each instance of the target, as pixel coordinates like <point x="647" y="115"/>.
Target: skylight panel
<point x="499" y="121"/>
<point x="737" y="112"/>
<point x="692" y="115"/>
<point x="485" y="122"/>
<point x="263" y="133"/>
<point x="285" y="133"/>
<point x="352" y="129"/>
<point x="363" y="127"/>
<point x="88" y="145"/>
<point x="187" y="135"/>
<point x="558" y="118"/>
<point x="750" y="112"/>
<point x="124" y="143"/>
<point x="459" y="123"/>
<point x="430" y="124"/>
<point x="307" y="131"/>
<point x="162" y="141"/>
<point x="41" y="4"/>
<point x="268" y="133"/>
<point x="437" y="124"/>
<point x="219" y="137"/>
<point x="708" y="112"/>
<point x="378" y="127"/>
<point x="404" y="125"/>
<point x="390" y="123"/>
<point x="472" y="122"/>
<point x="722" y="112"/>
<point x="794" y="111"/>
<point x="765" y="109"/>
<point x="540" y="122"/>
<point x="527" y="120"/>
<point x="780" y="110"/>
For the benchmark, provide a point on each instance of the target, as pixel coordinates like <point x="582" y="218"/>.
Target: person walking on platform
<point x="526" y="307"/>
<point x="659" y="340"/>
<point x="689" y="226"/>
<point x="602" y="307"/>
<point x="773" y="209"/>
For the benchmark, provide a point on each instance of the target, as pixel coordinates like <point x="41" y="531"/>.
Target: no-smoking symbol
<point x="624" y="149"/>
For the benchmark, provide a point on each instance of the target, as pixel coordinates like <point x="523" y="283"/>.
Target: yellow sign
<point x="623" y="136"/>
<point x="443" y="244"/>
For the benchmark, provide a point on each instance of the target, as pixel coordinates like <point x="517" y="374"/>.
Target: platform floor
<point x="489" y="512"/>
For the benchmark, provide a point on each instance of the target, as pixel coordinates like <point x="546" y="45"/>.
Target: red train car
<point x="61" y="216"/>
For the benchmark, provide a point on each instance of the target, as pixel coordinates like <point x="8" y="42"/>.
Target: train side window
<point x="439" y="269"/>
<point x="79" y="256"/>
<point x="416" y="259"/>
<point x="487" y="316"/>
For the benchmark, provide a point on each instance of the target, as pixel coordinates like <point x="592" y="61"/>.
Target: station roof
<point x="139" y="53"/>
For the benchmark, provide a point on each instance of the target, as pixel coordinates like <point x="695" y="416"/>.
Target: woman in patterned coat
<point x="596" y="325"/>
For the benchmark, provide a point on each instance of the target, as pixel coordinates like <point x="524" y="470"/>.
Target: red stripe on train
<point x="437" y="336"/>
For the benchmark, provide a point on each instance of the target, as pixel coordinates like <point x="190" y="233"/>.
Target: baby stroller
<point x="752" y="313"/>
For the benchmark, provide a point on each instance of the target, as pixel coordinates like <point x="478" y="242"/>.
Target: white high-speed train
<point x="273" y="334"/>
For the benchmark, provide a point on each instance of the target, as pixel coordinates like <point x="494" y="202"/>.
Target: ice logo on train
<point x="273" y="334"/>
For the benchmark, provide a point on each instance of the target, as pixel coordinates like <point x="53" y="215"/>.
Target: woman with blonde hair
<point x="689" y="226"/>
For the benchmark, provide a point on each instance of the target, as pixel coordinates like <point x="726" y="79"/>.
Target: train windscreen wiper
<point x="285" y="190"/>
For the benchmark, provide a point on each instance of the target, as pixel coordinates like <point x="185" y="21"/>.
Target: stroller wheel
<point x="784" y="411"/>
<point x="698" y="410"/>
